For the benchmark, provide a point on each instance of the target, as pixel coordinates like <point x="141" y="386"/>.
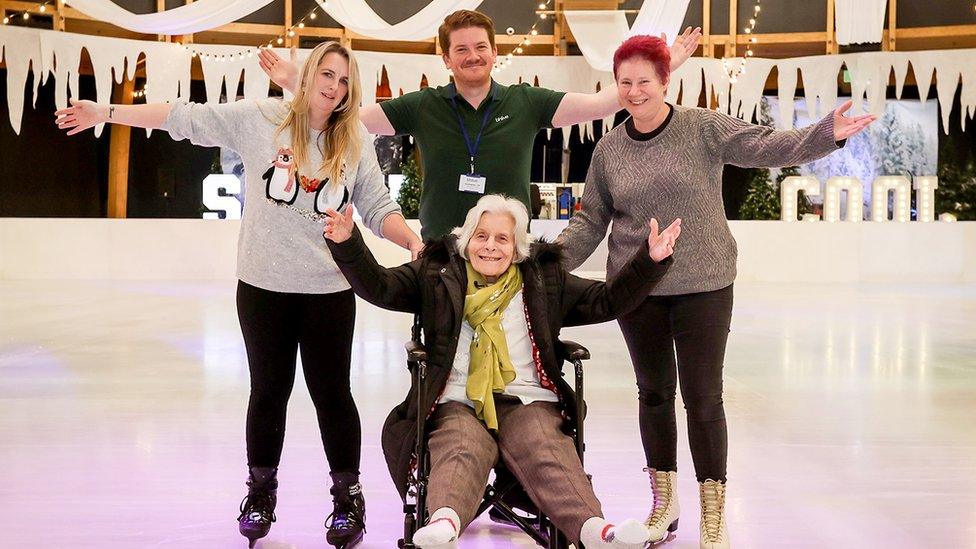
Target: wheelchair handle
<point x="573" y="351"/>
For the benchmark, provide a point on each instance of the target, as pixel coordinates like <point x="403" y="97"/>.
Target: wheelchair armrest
<point x="416" y="352"/>
<point x="573" y="351"/>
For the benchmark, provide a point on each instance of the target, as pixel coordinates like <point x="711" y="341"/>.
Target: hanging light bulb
<point x="280" y="40"/>
<point x="43" y="8"/>
<point x="311" y="15"/>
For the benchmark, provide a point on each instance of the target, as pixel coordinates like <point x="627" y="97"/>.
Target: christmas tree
<point x="762" y="200"/>
<point x="900" y="148"/>
<point x="409" y="196"/>
<point x="957" y="182"/>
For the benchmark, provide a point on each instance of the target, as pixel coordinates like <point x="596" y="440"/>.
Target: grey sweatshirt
<point x="278" y="248"/>
<point x="678" y="173"/>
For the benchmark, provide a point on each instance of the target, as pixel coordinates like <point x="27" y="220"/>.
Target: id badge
<point x="472" y="183"/>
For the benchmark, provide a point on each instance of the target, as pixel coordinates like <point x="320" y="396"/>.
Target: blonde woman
<point x="301" y="158"/>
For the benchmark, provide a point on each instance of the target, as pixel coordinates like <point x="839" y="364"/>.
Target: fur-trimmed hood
<point x="443" y="249"/>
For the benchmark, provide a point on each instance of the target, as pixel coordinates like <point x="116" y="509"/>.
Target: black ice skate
<point x="257" y="508"/>
<point x="347" y="523"/>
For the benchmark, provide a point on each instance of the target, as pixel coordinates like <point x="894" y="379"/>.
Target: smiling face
<point x="470" y="56"/>
<point x="640" y="89"/>
<point x="330" y="84"/>
<point x="492" y="246"/>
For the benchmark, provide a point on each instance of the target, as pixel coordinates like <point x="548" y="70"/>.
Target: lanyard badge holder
<point x="471" y="182"/>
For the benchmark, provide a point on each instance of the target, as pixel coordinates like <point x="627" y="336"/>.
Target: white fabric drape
<point x="357" y="16"/>
<point x="657" y="16"/>
<point x="859" y="21"/>
<point x="47" y="53"/>
<point x="199" y="16"/>
<point x="598" y="32"/>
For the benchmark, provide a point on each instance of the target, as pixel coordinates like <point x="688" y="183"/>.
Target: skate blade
<point x="668" y="538"/>
<point x="350" y="544"/>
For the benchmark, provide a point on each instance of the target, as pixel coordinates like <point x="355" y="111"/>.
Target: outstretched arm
<point x="738" y="142"/>
<point x="589" y="301"/>
<point x="204" y="124"/>
<point x="583" y="107"/>
<point x="83" y="114"/>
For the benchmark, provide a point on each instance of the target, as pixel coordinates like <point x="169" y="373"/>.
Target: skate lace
<point x="258" y="507"/>
<point x="662" y="489"/>
<point x="713" y="509"/>
<point x="346" y="516"/>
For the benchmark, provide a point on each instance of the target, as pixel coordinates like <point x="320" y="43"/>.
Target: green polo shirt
<point x="504" y="156"/>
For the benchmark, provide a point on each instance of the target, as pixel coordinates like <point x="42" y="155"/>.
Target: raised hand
<point x="338" y="227"/>
<point x="81" y="115"/>
<point x="684" y="46"/>
<point x="846" y="126"/>
<point x="284" y="73"/>
<point x="662" y="245"/>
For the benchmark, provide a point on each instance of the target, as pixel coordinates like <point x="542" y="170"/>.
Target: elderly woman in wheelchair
<point x="491" y="304"/>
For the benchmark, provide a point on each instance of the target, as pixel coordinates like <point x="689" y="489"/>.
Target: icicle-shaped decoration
<point x="21" y="52"/>
<point x="820" y="82"/>
<point x="786" y="83"/>
<point x="870" y="73"/>
<point x="747" y="91"/>
<point x="59" y="54"/>
<point x="688" y="81"/>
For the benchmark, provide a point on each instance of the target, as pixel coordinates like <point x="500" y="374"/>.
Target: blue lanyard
<point x="472" y="148"/>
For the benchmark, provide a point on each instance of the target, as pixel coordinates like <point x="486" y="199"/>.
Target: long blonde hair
<point x="340" y="141"/>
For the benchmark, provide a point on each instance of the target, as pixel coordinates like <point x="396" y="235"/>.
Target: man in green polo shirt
<point x="475" y="135"/>
<point x="512" y="116"/>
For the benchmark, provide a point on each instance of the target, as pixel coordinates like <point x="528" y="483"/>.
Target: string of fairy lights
<point x="26" y="14"/>
<point x="735" y="72"/>
<point x="503" y="62"/>
<point x="543" y="11"/>
<point x="290" y="32"/>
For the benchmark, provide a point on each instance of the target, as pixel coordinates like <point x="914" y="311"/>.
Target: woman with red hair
<point x="666" y="162"/>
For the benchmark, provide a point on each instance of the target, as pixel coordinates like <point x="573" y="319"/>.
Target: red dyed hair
<point x="649" y="48"/>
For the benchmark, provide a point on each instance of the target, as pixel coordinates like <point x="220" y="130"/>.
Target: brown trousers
<point x="542" y="457"/>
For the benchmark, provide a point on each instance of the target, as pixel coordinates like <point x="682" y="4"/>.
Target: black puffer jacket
<point x="435" y="285"/>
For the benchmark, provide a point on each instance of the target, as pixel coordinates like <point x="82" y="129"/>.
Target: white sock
<point x="441" y="531"/>
<point x="598" y="533"/>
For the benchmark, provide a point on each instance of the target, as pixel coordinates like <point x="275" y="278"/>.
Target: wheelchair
<point x="499" y="496"/>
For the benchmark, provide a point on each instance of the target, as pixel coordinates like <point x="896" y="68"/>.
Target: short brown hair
<point x="463" y="19"/>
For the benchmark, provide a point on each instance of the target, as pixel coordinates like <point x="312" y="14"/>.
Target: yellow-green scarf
<point x="491" y="368"/>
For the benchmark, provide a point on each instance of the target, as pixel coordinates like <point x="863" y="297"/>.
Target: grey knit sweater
<point x="280" y="249"/>
<point x="678" y="173"/>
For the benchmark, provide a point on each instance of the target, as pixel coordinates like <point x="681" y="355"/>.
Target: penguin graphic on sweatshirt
<point x="282" y="177"/>
<point x="332" y="195"/>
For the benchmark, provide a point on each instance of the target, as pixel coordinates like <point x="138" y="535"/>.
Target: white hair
<point x="496" y="204"/>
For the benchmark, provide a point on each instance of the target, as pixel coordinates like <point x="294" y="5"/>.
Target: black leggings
<point x="695" y="327"/>
<point x="276" y="325"/>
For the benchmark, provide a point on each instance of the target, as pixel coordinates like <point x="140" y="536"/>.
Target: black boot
<point x="347" y="523"/>
<point x="257" y="509"/>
